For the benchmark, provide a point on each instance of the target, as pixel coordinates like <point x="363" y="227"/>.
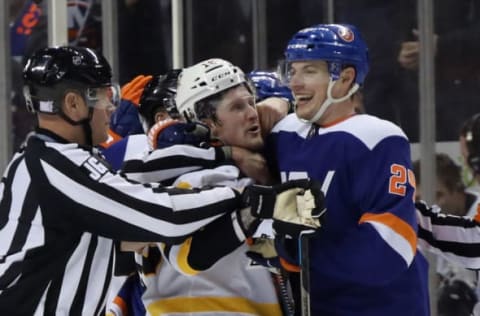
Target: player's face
<point x="308" y="82"/>
<point x="238" y="123"/>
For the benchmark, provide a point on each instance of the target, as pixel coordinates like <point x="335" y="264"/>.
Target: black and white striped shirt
<point x="455" y="238"/>
<point x="166" y="164"/>
<point x="61" y="207"/>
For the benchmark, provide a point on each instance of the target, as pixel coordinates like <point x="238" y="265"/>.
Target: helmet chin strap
<point x="85" y="123"/>
<point x="330" y="100"/>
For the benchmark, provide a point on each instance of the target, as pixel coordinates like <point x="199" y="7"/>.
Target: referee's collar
<point x="49" y="136"/>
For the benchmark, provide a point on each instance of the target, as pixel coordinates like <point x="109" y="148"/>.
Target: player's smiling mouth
<point x="302" y="99"/>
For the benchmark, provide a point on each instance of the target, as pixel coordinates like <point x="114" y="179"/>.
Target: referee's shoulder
<point x="72" y="151"/>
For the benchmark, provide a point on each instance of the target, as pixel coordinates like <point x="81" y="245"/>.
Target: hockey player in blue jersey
<point x="365" y="260"/>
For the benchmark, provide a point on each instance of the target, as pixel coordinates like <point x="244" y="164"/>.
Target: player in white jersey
<point x="218" y="278"/>
<point x="252" y="291"/>
<point x="145" y="102"/>
<point x="233" y="285"/>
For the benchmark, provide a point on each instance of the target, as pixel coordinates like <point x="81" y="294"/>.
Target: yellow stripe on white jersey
<point x="203" y="306"/>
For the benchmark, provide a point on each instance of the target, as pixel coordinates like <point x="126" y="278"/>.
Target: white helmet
<point x="202" y="80"/>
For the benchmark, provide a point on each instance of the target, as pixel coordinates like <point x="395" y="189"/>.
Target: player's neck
<point x="336" y="113"/>
<point x="62" y="128"/>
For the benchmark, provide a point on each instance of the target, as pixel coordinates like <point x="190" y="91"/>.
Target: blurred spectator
<point x="25" y="19"/>
<point x="85" y="23"/>
<point x="469" y="140"/>
<point x="144" y="47"/>
<point x="456" y="298"/>
<point x="457" y="71"/>
<point x="451" y="194"/>
<point x="29" y="32"/>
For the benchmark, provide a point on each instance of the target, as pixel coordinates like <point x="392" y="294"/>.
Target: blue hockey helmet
<point x="268" y="84"/>
<point x="340" y="45"/>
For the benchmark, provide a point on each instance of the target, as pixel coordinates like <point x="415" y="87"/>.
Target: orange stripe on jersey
<point x="289" y="266"/>
<point x="339" y="120"/>
<point x="157" y="129"/>
<point x="121" y="304"/>
<point x="182" y="259"/>
<point x="477" y="216"/>
<point x="395" y="223"/>
<point x="112" y="139"/>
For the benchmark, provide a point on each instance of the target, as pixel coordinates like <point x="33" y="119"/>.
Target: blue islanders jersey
<point x="126" y="148"/>
<point x="364" y="261"/>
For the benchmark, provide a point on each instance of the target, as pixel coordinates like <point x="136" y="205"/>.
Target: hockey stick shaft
<point x="304" y="274"/>
<point x="284" y="294"/>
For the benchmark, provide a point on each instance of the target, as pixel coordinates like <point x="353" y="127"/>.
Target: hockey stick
<point x="303" y="248"/>
<point x="284" y="292"/>
<point x="304" y="257"/>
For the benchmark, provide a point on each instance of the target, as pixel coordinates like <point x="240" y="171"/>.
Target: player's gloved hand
<point x="262" y="251"/>
<point x="171" y="132"/>
<point x="125" y="119"/>
<point x="133" y="90"/>
<point x="273" y="253"/>
<point x="295" y="206"/>
<point x="247" y="223"/>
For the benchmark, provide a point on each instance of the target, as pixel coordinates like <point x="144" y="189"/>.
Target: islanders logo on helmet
<point x="346" y="34"/>
<point x="339" y="45"/>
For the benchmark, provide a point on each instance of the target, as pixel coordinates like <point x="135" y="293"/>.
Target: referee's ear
<point x="74" y="107"/>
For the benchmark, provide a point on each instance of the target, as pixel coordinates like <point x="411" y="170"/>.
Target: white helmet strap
<point x="330" y="100"/>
